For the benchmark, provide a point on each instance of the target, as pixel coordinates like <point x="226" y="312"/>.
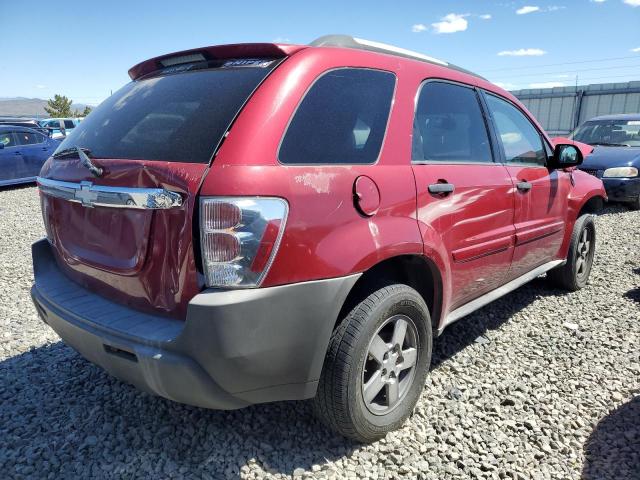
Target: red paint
<point x="477" y="237"/>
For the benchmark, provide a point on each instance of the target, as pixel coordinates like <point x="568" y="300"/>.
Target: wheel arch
<point x="417" y="271"/>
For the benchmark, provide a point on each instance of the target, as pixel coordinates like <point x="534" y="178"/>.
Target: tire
<point x="635" y="205"/>
<point x="574" y="274"/>
<point x="350" y="366"/>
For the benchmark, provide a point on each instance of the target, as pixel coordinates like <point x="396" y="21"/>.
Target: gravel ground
<point x="540" y="384"/>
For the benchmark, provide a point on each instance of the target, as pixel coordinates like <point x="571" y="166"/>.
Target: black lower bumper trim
<point x="235" y="348"/>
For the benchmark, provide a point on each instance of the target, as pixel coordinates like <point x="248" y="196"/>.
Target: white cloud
<point x="633" y="3"/>
<point x="522" y="52"/>
<point x="281" y="40"/>
<point x="419" y="27"/>
<point x="564" y="75"/>
<point x="527" y="9"/>
<point x="40" y="87"/>
<point x="486" y="16"/>
<point x="451" y="23"/>
<point x="547" y="84"/>
<point x="636" y="50"/>
<point x="598" y="1"/>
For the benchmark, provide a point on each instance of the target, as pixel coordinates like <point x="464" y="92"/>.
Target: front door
<point x="541" y="195"/>
<point x="35" y="150"/>
<point x="11" y="160"/>
<point x="463" y="195"/>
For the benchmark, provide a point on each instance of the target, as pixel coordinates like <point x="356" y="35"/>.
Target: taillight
<point x="239" y="237"/>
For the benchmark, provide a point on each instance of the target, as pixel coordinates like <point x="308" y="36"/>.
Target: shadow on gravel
<point x="474" y="327"/>
<point x="60" y="414"/>
<point x="613" y="449"/>
<point x="20" y="186"/>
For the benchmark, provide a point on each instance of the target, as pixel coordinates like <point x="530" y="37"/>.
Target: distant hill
<point x="28" y="107"/>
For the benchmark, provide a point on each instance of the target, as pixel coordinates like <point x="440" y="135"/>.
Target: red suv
<point x="260" y="222"/>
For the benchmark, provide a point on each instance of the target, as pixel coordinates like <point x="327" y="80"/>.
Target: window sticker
<point x="247" y="62"/>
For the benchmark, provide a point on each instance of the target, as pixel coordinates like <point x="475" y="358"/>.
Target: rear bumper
<point x="236" y="347"/>
<point x="622" y="189"/>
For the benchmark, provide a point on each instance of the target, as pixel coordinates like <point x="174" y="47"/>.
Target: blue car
<point x="22" y="153"/>
<point x="616" y="156"/>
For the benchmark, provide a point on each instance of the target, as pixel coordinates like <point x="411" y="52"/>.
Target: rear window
<point x="180" y="117"/>
<point x="341" y="120"/>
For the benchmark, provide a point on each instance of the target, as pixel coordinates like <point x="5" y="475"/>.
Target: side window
<point x="449" y="126"/>
<point x="26" y="138"/>
<point x="341" y="120"/>
<point x="69" y="124"/>
<point x="520" y="140"/>
<point x="7" y="139"/>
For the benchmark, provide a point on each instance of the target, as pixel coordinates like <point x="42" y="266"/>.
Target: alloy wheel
<point x="390" y="364"/>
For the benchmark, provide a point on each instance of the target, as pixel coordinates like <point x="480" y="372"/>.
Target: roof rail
<point x="347" y="41"/>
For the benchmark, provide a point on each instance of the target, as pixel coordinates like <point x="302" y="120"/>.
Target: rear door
<point x="541" y="195"/>
<point x="126" y="230"/>
<point x="35" y="150"/>
<point x="11" y="160"/>
<point x="462" y="193"/>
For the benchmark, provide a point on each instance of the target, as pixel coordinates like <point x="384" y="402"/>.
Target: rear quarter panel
<point x="325" y="235"/>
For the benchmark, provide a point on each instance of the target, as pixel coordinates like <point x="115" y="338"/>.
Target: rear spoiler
<point x="218" y="52"/>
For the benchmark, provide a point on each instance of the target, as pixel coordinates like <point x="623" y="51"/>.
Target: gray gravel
<point x="540" y="384"/>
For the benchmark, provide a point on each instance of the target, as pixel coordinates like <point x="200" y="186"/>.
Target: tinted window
<point x="520" y="139"/>
<point x="69" y="124"/>
<point x="449" y="125"/>
<point x="27" y="138"/>
<point x="179" y="117"/>
<point x="7" y="139"/>
<point x="341" y="120"/>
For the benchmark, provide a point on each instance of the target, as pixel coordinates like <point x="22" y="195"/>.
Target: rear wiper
<point x="83" y="154"/>
<point x="71" y="152"/>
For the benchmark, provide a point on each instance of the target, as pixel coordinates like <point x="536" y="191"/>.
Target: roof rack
<point x="347" y="41"/>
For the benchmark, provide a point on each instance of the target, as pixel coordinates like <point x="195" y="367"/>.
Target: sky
<point x="83" y="49"/>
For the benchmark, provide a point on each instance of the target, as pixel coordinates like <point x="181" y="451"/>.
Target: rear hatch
<point x="119" y="194"/>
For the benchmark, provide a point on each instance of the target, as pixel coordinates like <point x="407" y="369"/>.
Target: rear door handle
<point x="441" y="188"/>
<point x="524" y="186"/>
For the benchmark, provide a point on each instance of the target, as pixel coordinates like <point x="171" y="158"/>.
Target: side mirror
<point x="565" y="156"/>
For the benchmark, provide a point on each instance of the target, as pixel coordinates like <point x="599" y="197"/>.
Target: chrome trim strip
<point x="89" y="195"/>
<point x="489" y="297"/>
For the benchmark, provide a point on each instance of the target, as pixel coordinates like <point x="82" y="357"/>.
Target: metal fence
<point x="562" y="109"/>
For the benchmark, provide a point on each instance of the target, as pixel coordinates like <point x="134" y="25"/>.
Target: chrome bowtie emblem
<point x="85" y="195"/>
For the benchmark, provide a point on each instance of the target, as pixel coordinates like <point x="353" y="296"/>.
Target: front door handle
<point x="524" y="186"/>
<point x="441" y="188"/>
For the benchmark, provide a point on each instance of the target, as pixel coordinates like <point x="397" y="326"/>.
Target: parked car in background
<point x="616" y="154"/>
<point x="59" y="127"/>
<point x="23" y="151"/>
<point x="300" y="222"/>
<point x="24" y="122"/>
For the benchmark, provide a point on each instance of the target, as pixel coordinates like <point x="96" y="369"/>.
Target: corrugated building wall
<point x="562" y="109"/>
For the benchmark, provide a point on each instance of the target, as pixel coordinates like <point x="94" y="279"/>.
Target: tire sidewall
<point x="584" y="222"/>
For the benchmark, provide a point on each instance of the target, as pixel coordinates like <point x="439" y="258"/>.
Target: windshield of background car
<point x="609" y="132"/>
<point x="178" y="115"/>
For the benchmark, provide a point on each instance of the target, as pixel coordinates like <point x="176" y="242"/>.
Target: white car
<point x="59" y="127"/>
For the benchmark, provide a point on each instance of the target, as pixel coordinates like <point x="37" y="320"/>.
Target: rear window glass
<point x="180" y="117"/>
<point x="341" y="120"/>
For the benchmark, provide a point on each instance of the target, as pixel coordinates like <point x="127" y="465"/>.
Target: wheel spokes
<point x="373" y="386"/>
<point x="409" y="357"/>
<point x="399" y="332"/>
<point x="378" y="348"/>
<point x="393" y="392"/>
<point x="579" y="265"/>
